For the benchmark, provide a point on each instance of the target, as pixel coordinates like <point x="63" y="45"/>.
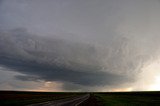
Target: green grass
<point x="129" y="99"/>
<point x="13" y="98"/>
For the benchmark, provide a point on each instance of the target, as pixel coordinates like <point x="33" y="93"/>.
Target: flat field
<point x="19" y="98"/>
<point x="129" y="98"/>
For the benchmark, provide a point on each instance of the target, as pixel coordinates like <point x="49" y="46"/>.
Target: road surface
<point x="75" y="101"/>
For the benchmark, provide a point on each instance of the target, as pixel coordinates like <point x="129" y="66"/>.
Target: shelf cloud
<point x="81" y="44"/>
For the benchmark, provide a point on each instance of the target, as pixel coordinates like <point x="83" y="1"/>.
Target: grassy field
<point x="129" y="98"/>
<point x="14" y="98"/>
<point x="18" y="98"/>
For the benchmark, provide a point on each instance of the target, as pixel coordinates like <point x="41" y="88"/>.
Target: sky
<point x="80" y="45"/>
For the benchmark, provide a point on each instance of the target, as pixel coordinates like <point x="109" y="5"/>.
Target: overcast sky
<point x="79" y="45"/>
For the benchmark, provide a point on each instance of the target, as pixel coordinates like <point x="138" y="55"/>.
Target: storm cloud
<point x="41" y="58"/>
<point x="55" y="60"/>
<point x="82" y="44"/>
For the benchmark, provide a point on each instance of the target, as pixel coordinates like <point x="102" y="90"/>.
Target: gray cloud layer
<point x="81" y="43"/>
<point x="57" y="60"/>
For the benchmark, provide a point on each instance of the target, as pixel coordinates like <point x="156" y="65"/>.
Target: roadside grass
<point x="14" y="98"/>
<point x="129" y="99"/>
<point x="23" y="102"/>
<point x="10" y="98"/>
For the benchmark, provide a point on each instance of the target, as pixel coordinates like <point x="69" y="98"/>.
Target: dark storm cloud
<point x="81" y="43"/>
<point x="54" y="60"/>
